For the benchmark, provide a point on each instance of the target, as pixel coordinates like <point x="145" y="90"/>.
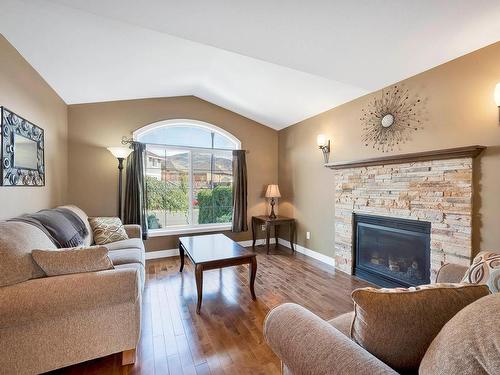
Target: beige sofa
<point x="306" y="344"/>
<point x="51" y="322"/>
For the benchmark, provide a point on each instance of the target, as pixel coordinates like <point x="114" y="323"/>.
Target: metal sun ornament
<point x="390" y="119"/>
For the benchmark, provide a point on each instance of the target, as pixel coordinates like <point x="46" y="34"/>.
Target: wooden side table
<point x="275" y="223"/>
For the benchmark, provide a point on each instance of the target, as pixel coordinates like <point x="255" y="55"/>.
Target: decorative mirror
<point x="23" y="159"/>
<point x="389" y="120"/>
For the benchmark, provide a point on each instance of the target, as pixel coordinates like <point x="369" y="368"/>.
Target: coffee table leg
<point x="253" y="273"/>
<point x="181" y="253"/>
<point x="199" y="285"/>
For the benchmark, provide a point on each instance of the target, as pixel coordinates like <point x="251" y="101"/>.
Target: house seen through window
<point x="188" y="174"/>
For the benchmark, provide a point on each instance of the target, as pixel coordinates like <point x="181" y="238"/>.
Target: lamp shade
<point x="321" y="140"/>
<point x="273" y="191"/>
<point x="497" y="94"/>
<point x="120" y="152"/>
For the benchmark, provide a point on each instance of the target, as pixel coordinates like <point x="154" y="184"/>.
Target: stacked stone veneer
<point x="439" y="192"/>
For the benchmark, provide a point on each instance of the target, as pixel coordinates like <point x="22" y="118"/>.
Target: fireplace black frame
<point x="421" y="228"/>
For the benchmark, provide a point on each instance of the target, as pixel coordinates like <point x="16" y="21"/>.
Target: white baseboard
<point x="301" y="249"/>
<point x="310" y="253"/>
<point x="258" y="242"/>
<point x="162" y="254"/>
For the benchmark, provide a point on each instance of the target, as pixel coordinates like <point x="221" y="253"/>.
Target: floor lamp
<point x="120" y="153"/>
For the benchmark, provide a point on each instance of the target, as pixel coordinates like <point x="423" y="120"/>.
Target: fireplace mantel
<point x="450" y="153"/>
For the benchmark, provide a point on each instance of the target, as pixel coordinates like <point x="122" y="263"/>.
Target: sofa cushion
<point x="469" y="344"/>
<point x="107" y="230"/>
<point x="397" y="325"/>
<point x="481" y="269"/>
<point x="125" y="256"/>
<point x="54" y="297"/>
<point x="16" y="242"/>
<point x="88" y="239"/>
<point x="343" y="323"/>
<point x="131" y="243"/>
<point x="75" y="260"/>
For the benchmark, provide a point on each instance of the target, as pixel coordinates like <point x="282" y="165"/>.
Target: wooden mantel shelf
<point x="450" y="153"/>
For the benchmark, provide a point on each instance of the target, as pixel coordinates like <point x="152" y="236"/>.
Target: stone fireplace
<point x="433" y="187"/>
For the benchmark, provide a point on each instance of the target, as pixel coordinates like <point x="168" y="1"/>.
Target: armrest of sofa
<point x="48" y="297"/>
<point x="306" y="344"/>
<point x="450" y="273"/>
<point x="133" y="230"/>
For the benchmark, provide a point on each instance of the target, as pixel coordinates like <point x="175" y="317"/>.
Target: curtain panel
<point x="239" y="191"/>
<point x="135" y="189"/>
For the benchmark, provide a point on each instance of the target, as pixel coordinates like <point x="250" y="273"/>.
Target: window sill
<point x="188" y="230"/>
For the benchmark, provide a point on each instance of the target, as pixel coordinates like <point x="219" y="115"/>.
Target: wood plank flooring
<point x="227" y="337"/>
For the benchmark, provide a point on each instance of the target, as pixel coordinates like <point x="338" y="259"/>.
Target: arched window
<point x="188" y="176"/>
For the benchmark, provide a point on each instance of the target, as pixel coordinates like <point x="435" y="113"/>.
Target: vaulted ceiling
<point x="277" y="62"/>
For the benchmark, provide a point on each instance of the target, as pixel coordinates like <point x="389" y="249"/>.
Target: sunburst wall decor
<point x="389" y="120"/>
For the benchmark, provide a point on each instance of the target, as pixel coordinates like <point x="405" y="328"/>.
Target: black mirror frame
<point x="11" y="175"/>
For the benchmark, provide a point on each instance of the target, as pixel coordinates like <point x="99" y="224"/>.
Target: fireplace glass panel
<point x="392" y="252"/>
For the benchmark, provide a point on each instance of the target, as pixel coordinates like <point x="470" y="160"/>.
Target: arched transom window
<point x="188" y="175"/>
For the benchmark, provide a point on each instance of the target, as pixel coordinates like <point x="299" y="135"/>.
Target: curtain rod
<point x="130" y="141"/>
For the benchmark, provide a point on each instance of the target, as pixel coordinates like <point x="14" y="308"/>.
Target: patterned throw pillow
<point x="107" y="230"/>
<point x="485" y="269"/>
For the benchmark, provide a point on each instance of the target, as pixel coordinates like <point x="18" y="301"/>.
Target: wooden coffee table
<point x="213" y="251"/>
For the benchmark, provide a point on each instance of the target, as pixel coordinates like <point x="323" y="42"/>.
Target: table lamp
<point x="273" y="192"/>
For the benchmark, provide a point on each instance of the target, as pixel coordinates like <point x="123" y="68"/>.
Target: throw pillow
<point x="74" y="260"/>
<point x="107" y="230"/>
<point x="482" y="270"/>
<point x="397" y="325"/>
<point x="468" y="344"/>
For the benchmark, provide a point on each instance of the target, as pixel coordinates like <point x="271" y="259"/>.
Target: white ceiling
<point x="276" y="62"/>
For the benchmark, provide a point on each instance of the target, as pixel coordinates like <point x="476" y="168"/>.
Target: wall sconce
<point x="324" y="145"/>
<point x="497" y="98"/>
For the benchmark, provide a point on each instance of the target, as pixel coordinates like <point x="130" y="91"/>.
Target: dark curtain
<point x="135" y="189"/>
<point x="239" y="191"/>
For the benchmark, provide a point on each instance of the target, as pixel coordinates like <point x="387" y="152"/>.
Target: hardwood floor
<point x="227" y="337"/>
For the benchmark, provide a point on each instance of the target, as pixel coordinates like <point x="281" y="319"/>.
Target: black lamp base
<point x="120" y="189"/>
<point x="272" y="215"/>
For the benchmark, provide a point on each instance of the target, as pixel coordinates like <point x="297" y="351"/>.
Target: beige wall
<point x="24" y="92"/>
<point x="460" y="111"/>
<point x="93" y="170"/>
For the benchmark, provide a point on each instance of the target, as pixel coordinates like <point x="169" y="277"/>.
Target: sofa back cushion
<point x="469" y="343"/>
<point x="17" y="239"/>
<point x="87" y="240"/>
<point x="397" y="325"/>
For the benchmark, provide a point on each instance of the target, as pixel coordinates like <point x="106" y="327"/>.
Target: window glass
<point x="179" y="135"/>
<point x="189" y="177"/>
